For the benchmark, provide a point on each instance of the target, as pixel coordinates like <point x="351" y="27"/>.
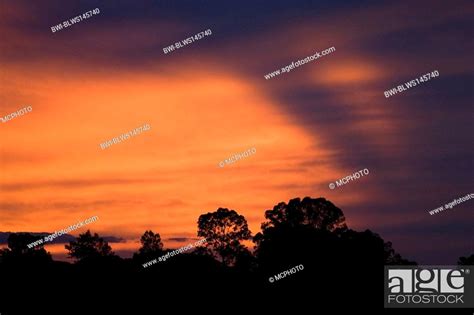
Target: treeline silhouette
<point x="343" y="268"/>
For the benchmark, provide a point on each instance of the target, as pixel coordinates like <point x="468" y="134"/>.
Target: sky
<point x="204" y="102"/>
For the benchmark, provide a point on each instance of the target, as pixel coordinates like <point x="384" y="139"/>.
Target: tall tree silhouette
<point x="313" y="233"/>
<point x="316" y="213"/>
<point x="151" y="242"/>
<point x="289" y="227"/>
<point x="315" y="229"/>
<point x="88" y="246"/>
<point x="224" y="229"/>
<point x="151" y="246"/>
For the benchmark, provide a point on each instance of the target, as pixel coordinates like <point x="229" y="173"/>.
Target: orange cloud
<point x="162" y="179"/>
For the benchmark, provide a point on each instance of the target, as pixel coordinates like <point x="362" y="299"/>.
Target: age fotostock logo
<point x="429" y="286"/>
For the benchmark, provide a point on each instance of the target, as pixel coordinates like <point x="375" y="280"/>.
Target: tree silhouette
<point x="18" y="243"/>
<point x="393" y="258"/>
<point x="151" y="243"/>
<point x="315" y="230"/>
<point x="295" y="221"/>
<point x="88" y="246"/>
<point x="316" y="213"/>
<point x="466" y="260"/>
<point x="313" y="233"/>
<point x="18" y="249"/>
<point x="151" y="246"/>
<point x="223" y="230"/>
<point x="339" y="263"/>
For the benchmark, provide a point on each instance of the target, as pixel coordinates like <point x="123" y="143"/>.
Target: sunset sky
<point x="325" y="120"/>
